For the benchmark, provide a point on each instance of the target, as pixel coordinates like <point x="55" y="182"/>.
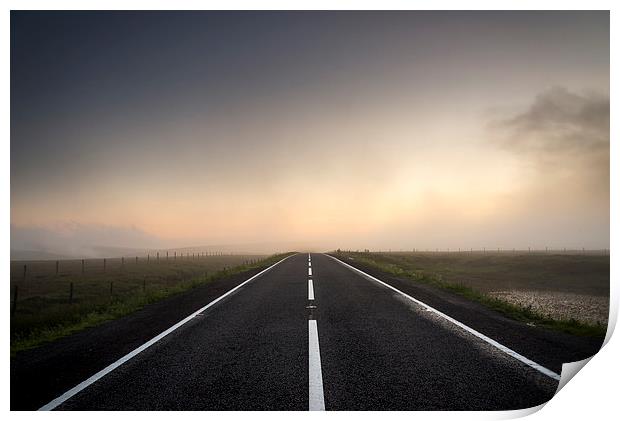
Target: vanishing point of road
<point x="310" y="332"/>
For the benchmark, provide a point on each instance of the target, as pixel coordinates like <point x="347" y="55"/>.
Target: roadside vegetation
<point x="51" y="304"/>
<point x="477" y="276"/>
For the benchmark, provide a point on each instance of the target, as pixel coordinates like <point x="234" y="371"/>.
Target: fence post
<point x="82" y="266"/>
<point x="104" y="264"/>
<point x="71" y="293"/>
<point x="14" y="301"/>
<point x="166" y="255"/>
<point x="24" y="273"/>
<point x="175" y="255"/>
<point x="136" y="259"/>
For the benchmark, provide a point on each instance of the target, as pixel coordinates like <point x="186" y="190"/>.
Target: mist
<point x="309" y="130"/>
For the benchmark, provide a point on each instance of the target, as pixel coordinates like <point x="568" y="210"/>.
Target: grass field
<point x="567" y="291"/>
<point x="50" y="305"/>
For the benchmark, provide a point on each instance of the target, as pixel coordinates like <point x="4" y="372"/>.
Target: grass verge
<point x="121" y="306"/>
<point x="513" y="311"/>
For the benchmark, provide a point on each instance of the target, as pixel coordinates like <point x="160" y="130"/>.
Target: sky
<point x="324" y="130"/>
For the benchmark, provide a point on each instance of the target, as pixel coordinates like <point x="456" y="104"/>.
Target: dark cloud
<point x="560" y="122"/>
<point x="564" y="138"/>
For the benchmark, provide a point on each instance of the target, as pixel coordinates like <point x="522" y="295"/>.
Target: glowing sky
<point x="331" y="129"/>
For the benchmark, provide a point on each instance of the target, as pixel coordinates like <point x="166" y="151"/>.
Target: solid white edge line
<point x="310" y="290"/>
<point x="463" y="326"/>
<point x="309" y="271"/>
<point x="316" y="400"/>
<point x="75" y="390"/>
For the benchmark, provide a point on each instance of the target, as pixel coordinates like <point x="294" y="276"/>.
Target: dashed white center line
<point x="309" y="263"/>
<point x="316" y="401"/>
<point x="310" y="290"/>
<point x="309" y="271"/>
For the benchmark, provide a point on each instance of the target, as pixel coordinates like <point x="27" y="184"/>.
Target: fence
<point x="22" y="269"/>
<point x="39" y="284"/>
<point x="484" y="250"/>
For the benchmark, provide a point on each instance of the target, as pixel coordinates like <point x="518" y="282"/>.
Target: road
<point x="313" y="333"/>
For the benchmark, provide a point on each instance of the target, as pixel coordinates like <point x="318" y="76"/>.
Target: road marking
<point x="316" y="401"/>
<point x="310" y="290"/>
<point x="463" y="326"/>
<point x="309" y="263"/>
<point x="309" y="271"/>
<point x="75" y="390"/>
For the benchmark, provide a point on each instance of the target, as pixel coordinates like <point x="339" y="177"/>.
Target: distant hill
<point x="37" y="255"/>
<point x="96" y="252"/>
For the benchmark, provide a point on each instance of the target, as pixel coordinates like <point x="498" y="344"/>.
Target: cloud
<point x="560" y="143"/>
<point x="564" y="138"/>
<point x="560" y="122"/>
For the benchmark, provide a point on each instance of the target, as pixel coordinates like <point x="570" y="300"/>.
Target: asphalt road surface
<point x="310" y="332"/>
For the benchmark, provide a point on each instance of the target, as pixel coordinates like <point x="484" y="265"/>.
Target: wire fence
<point x="484" y="250"/>
<point x="21" y="269"/>
<point x="46" y="291"/>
